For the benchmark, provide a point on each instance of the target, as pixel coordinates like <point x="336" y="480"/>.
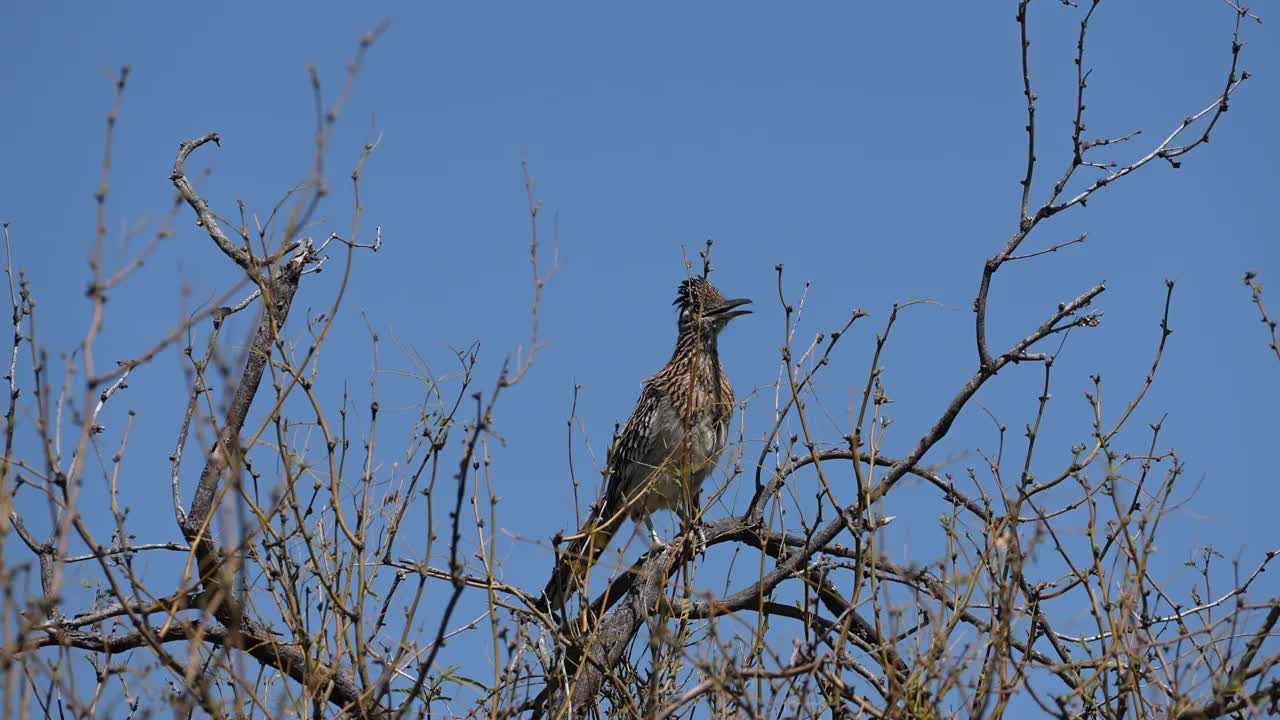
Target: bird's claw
<point x="699" y="541"/>
<point x="655" y="542"/>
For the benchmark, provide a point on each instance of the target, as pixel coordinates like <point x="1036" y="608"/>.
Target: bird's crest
<point x="696" y="293"/>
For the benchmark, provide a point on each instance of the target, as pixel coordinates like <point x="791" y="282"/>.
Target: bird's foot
<point x="699" y="536"/>
<point x="655" y="542"/>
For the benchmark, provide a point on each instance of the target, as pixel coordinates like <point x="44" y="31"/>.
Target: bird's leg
<point x="655" y="541"/>
<point x="693" y="524"/>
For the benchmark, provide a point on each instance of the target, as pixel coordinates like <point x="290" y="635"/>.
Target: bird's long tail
<point x="579" y="556"/>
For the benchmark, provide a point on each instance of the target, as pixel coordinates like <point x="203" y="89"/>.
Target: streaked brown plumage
<point x="671" y="442"/>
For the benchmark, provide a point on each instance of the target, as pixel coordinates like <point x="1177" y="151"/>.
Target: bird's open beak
<point x="726" y="309"/>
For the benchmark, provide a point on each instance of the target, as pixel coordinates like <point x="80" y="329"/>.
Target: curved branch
<point x="200" y="205"/>
<point x="279" y="284"/>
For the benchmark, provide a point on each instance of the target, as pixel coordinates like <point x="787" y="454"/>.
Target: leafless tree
<point x="300" y="593"/>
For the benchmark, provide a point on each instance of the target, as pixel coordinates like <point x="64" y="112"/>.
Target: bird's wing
<point x="645" y="443"/>
<point x="652" y="433"/>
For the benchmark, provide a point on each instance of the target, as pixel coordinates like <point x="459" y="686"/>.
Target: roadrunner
<point x="672" y="441"/>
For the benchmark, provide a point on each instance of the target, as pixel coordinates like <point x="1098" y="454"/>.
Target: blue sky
<point x="874" y="150"/>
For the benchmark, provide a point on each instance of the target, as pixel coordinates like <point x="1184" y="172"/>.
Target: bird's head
<point x="702" y="306"/>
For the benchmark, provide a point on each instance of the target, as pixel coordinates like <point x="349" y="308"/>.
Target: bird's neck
<point x="696" y="361"/>
<point x="698" y="346"/>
